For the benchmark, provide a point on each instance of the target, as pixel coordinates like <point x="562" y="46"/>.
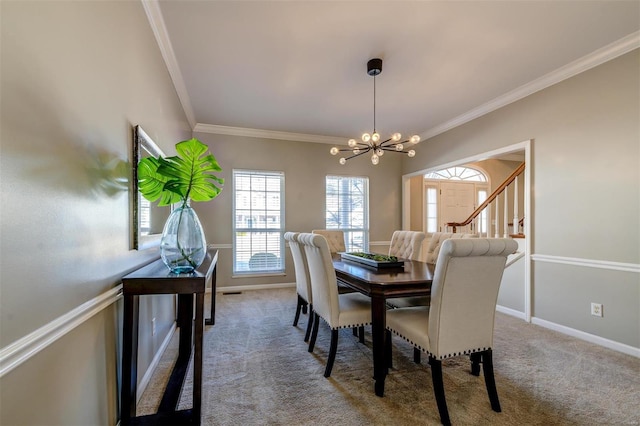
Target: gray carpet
<point x="257" y="371"/>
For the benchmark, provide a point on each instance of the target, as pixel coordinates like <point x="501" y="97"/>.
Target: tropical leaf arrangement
<point x="186" y="176"/>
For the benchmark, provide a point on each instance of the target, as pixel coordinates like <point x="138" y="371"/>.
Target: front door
<point x="458" y="201"/>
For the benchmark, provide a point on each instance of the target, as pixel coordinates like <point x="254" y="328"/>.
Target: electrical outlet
<point x="153" y="326"/>
<point x="596" y="309"/>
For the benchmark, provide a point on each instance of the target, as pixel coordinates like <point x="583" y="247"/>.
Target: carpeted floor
<point x="257" y="371"/>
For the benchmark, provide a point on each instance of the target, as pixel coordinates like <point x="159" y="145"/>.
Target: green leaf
<point x="188" y="175"/>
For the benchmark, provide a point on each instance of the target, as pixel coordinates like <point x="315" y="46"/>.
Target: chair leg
<point x="438" y="390"/>
<point x="332" y="353"/>
<point x="361" y="334"/>
<point x="475" y="363"/>
<point x="416" y="355"/>
<point x="355" y="331"/>
<point x="309" y="324"/>
<point x="301" y="302"/>
<point x="489" y="379"/>
<point x="314" y="333"/>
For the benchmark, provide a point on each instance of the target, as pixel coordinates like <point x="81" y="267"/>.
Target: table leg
<point x="128" y="392"/>
<point x="185" y="322"/>
<point x="197" y="358"/>
<point x="212" y="320"/>
<point x="378" y="326"/>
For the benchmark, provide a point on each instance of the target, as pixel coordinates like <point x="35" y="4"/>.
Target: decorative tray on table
<point x="373" y="259"/>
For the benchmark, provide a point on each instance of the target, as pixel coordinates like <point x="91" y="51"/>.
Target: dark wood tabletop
<point x="413" y="279"/>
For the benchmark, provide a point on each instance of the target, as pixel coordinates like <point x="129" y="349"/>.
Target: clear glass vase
<point x="183" y="246"/>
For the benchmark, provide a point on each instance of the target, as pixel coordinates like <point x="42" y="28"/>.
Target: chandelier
<point x="371" y="141"/>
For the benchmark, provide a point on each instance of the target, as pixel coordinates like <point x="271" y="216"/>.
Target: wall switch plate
<point x="596" y="309"/>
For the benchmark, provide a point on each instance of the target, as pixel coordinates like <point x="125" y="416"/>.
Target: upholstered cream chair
<point x="461" y="316"/>
<point x="338" y="310"/>
<point x="406" y="244"/>
<point x="433" y="248"/>
<point x="335" y="239"/>
<point x="303" y="283"/>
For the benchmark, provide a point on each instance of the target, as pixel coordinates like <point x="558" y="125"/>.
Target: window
<point x="347" y="209"/>
<point x="258" y="206"/>
<point x="458" y="173"/>
<point x="431" y="200"/>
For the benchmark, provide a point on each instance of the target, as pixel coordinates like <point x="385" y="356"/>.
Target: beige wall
<point x="586" y="201"/>
<point x="305" y="166"/>
<point x="76" y="76"/>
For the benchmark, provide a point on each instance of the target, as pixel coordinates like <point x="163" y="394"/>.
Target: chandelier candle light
<point x="371" y="142"/>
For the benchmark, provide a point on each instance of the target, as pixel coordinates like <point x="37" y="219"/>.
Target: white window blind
<point x="347" y="209"/>
<point x="258" y="244"/>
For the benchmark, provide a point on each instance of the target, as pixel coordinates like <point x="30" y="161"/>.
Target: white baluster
<point x="497" y="234"/>
<point x="506" y="214"/>
<point x="516" y="219"/>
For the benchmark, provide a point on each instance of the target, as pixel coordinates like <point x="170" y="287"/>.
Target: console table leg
<point x="185" y="322"/>
<point x="197" y="357"/>
<point x="129" y="386"/>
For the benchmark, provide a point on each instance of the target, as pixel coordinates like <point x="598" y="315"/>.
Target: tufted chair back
<point x="436" y="241"/>
<point x="335" y="239"/>
<point x="303" y="283"/>
<point x="406" y="244"/>
<point x="464" y="294"/>
<point x="324" y="287"/>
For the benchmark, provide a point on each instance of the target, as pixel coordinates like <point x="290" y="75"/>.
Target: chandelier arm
<point x="388" y="148"/>
<point x="358" y="154"/>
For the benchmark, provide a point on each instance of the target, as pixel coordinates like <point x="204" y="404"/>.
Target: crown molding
<point x="267" y="134"/>
<point x="598" y="57"/>
<point x="154" y="15"/>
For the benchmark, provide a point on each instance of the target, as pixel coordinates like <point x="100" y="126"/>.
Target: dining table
<point x="412" y="278"/>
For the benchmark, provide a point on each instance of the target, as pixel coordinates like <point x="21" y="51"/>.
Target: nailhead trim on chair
<point x="345" y="326"/>
<point x="468" y="352"/>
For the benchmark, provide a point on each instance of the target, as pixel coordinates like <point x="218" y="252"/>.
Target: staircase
<point x="502" y="218"/>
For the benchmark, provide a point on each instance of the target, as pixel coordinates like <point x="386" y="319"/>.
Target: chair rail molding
<point x="21" y="350"/>
<point x="590" y="263"/>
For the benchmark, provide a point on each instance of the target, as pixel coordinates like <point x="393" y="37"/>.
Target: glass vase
<point x="183" y="246"/>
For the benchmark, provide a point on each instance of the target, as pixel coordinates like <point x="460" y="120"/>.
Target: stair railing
<point x="517" y="223"/>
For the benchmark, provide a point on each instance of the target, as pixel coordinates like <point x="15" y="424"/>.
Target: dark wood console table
<point x="155" y="278"/>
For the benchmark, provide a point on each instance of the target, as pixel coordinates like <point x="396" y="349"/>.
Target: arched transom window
<point x="458" y="173"/>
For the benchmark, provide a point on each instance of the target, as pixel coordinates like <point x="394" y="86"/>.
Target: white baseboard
<point x="616" y="346"/>
<point x="511" y="312"/>
<point x="144" y="382"/>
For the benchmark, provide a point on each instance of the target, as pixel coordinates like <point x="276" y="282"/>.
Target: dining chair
<point x="406" y="244"/>
<point x="347" y="310"/>
<point x="335" y="239"/>
<point x="433" y="248"/>
<point x="460" y="318"/>
<point x="303" y="283"/>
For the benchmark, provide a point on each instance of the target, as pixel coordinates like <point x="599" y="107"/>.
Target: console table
<point x="155" y="278"/>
